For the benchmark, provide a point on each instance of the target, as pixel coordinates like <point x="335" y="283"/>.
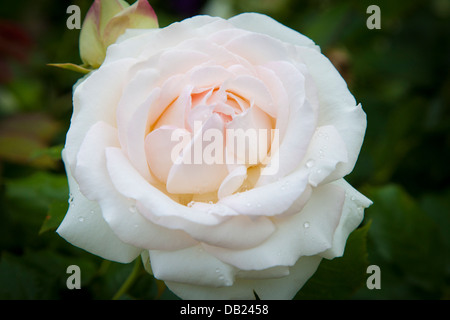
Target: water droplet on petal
<point x="306" y="225"/>
<point x="217" y="270"/>
<point x="249" y="204"/>
<point x="81" y="219"/>
<point x="353" y="198"/>
<point x="133" y="209"/>
<point x="310" y="163"/>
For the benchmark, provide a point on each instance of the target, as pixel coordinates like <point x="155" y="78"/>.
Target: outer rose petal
<point x="202" y="269"/>
<point x="307" y="233"/>
<point x="337" y="107"/>
<point x="352" y="216"/>
<point x="119" y="212"/>
<point x="84" y="227"/>
<point x="266" y="289"/>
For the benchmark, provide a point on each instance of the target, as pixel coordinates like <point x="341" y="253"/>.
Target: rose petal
<point x="254" y="90"/>
<point x="327" y="150"/>
<point x="260" y="23"/>
<point x="92" y="105"/>
<point x="337" y="107"/>
<point x="159" y="147"/>
<point x="202" y="269"/>
<point x="202" y="223"/>
<point x="232" y="182"/>
<point x="193" y="174"/>
<point x="248" y="136"/>
<point x="258" y="48"/>
<point x="304" y="234"/>
<point x="261" y="201"/>
<point x="119" y="212"/>
<point x="352" y="216"/>
<point x="268" y="289"/>
<point x="84" y="227"/>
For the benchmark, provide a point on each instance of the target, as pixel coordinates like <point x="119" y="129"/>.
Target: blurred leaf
<point x="55" y="215"/>
<point x="406" y="244"/>
<point x="38" y="190"/>
<point x="38" y="125"/>
<point x="40" y="275"/>
<point x="437" y="206"/>
<point x="53" y="152"/>
<point x="24" y="137"/>
<point x="341" y="277"/>
<point x="22" y="150"/>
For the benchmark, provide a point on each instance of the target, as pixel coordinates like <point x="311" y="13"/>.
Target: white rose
<point x="217" y="230"/>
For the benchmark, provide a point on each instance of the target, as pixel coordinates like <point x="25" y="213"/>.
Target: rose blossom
<point x="220" y="230"/>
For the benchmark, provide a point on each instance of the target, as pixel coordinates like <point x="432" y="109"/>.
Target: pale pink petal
<point x="119" y="212"/>
<point x="283" y="288"/>
<point x="193" y="174"/>
<point x="307" y="233"/>
<point x="203" y="223"/>
<point x="202" y="269"/>
<point x="326" y="151"/>
<point x="260" y="23"/>
<point x="269" y="200"/>
<point x="84" y="227"/>
<point x="159" y="148"/>
<point x="232" y="182"/>
<point x="253" y="90"/>
<point x="258" y="49"/>
<point x="248" y="136"/>
<point x="351" y="218"/>
<point x="338" y="107"/>
<point x="92" y="104"/>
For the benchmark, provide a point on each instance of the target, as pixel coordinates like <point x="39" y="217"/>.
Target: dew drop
<point x="306" y="225"/>
<point x="217" y="270"/>
<point x="221" y="277"/>
<point x="249" y="204"/>
<point x="70" y="198"/>
<point x="353" y="198"/>
<point x="81" y="219"/>
<point x="132" y="209"/>
<point x="310" y="163"/>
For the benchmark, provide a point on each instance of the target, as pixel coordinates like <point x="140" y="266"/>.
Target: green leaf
<point x="407" y="245"/>
<point x="40" y="274"/>
<point x="341" y="277"/>
<point x="71" y="67"/>
<point x="38" y="190"/>
<point x="55" y="215"/>
<point x="53" y="152"/>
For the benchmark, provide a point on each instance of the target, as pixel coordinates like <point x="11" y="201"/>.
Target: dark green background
<point x="399" y="73"/>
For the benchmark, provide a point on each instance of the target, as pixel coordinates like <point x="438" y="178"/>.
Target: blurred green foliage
<point x="399" y="73"/>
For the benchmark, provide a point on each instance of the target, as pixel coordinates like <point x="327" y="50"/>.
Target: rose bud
<point x="106" y="20"/>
